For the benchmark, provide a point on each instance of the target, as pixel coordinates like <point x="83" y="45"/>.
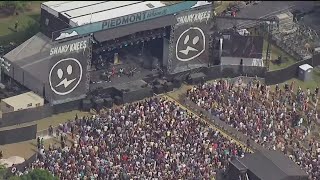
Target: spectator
<point x="50" y="130"/>
<point x="152" y="139"/>
<point x="274" y="119"/>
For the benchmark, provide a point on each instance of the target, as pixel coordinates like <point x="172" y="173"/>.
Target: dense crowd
<point x="151" y="139"/>
<point x="276" y="119"/>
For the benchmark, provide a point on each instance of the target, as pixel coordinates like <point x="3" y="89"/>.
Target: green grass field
<point x="315" y="82"/>
<point x="31" y="15"/>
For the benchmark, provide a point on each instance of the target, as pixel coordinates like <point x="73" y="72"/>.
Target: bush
<point x="37" y="174"/>
<point x="3" y="172"/>
<point x="13" y="6"/>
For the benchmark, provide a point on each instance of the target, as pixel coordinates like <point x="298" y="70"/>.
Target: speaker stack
<point x="177" y="82"/>
<point x="104" y="76"/>
<point x="108" y="102"/>
<point x="159" y="89"/>
<point x="86" y="105"/>
<point x="98" y="103"/>
<point x="168" y="86"/>
<point x="118" y="100"/>
<point x="125" y="90"/>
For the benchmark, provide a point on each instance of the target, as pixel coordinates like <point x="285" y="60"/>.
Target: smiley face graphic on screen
<point x="190" y="44"/>
<point x="65" y="76"/>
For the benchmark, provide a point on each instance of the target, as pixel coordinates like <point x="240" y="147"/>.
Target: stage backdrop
<point x="189" y="42"/>
<point x="68" y="78"/>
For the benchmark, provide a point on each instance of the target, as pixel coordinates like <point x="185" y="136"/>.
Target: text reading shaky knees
<point x="69" y="48"/>
<point x="195" y="17"/>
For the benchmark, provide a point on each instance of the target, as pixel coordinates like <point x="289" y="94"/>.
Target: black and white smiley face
<point x="65" y="76"/>
<point x="190" y="44"/>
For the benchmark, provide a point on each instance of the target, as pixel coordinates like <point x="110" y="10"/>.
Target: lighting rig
<point x="131" y="40"/>
<point x="4" y="65"/>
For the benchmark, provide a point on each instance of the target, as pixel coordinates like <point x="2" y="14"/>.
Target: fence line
<point x="213" y="72"/>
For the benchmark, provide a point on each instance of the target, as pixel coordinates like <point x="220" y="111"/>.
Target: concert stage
<point x="103" y="84"/>
<point x="134" y="91"/>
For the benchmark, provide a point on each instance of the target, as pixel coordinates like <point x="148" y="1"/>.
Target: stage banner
<point x="68" y="71"/>
<point x="123" y="20"/>
<point x="189" y="41"/>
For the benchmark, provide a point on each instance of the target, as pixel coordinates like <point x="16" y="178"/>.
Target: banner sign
<point x="190" y="41"/>
<point x="68" y="70"/>
<point x="124" y="20"/>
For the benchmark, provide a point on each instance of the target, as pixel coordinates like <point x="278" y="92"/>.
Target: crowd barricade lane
<point x="211" y="125"/>
<point x="45" y="132"/>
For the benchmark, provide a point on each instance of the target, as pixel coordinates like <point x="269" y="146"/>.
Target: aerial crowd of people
<point x="151" y="139"/>
<point x="278" y="119"/>
<point x="157" y="139"/>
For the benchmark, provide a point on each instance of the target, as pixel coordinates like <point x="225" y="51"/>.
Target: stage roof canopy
<point x="32" y="55"/>
<point x="86" y="12"/>
<point x="274" y="165"/>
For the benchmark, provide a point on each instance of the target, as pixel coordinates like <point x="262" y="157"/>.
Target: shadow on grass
<point x="17" y="37"/>
<point x="13" y="30"/>
<point x="20" y="36"/>
<point x="35" y="17"/>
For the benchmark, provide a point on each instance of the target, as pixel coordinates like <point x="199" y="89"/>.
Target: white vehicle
<point x="243" y="32"/>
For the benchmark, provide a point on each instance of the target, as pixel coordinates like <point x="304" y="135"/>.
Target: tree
<point x="3" y="172"/>
<point x="37" y="174"/>
<point x="14" y="178"/>
<point x="14" y="6"/>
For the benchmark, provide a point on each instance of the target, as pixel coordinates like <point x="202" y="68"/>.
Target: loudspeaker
<point x="108" y="102"/>
<point x="159" y="89"/>
<point x="104" y="76"/>
<point x="156" y="75"/>
<point x="86" y="105"/>
<point x="105" y="95"/>
<point x="125" y="90"/>
<point x="177" y="82"/>
<point x="98" y="103"/>
<point x="197" y="78"/>
<point x="155" y="82"/>
<point x="144" y="85"/>
<point x="168" y="86"/>
<point x="118" y="100"/>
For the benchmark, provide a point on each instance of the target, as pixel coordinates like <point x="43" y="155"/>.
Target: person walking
<point x="38" y="142"/>
<point x="16" y="26"/>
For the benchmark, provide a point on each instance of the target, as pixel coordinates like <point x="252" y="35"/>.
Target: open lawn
<point x="30" y="15"/>
<point x="315" y="82"/>
<point x="287" y="60"/>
